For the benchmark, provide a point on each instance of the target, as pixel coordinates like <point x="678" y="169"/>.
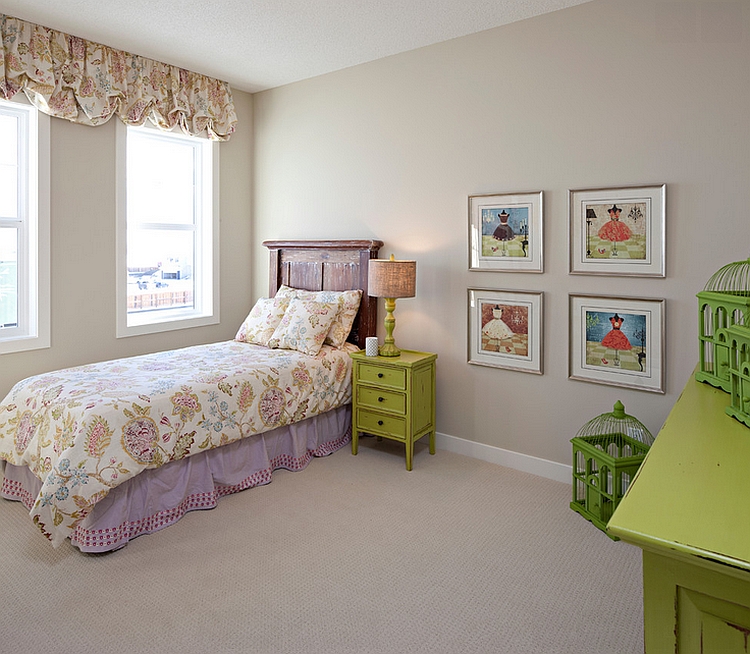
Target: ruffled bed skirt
<point x="158" y="498"/>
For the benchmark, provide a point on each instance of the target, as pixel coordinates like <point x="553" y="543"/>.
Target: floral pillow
<point x="304" y="326"/>
<point x="262" y="320"/>
<point x="348" y="307"/>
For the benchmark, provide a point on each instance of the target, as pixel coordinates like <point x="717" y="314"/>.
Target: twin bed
<point x="106" y="452"/>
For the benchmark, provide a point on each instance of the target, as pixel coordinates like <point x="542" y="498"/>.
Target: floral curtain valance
<point x="86" y="82"/>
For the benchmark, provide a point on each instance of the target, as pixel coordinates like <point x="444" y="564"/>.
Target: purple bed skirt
<point x="158" y="498"/>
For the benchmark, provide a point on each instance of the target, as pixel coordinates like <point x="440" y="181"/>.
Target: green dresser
<point x="394" y="397"/>
<point x="689" y="510"/>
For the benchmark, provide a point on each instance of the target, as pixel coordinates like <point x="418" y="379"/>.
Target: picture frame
<point x="505" y="329"/>
<point x="605" y="241"/>
<point x="617" y="341"/>
<point x="505" y="232"/>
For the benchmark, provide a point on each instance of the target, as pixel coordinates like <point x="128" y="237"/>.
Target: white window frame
<point x="206" y="298"/>
<point x="33" y="223"/>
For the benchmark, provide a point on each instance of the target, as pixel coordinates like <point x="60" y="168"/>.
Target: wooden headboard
<point x="328" y="266"/>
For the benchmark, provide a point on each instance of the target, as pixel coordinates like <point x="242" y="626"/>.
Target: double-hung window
<point x="24" y="228"/>
<point x="167" y="235"/>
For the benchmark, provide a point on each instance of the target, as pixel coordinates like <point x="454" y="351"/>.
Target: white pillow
<point x="262" y="320"/>
<point x="304" y="326"/>
<point x="348" y="307"/>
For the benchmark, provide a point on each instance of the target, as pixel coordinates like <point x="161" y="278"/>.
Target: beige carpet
<point x="351" y="555"/>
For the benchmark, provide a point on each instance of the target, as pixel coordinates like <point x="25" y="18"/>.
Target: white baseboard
<point x="507" y="458"/>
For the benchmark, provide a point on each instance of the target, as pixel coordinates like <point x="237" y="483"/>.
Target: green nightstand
<point x="394" y="397"/>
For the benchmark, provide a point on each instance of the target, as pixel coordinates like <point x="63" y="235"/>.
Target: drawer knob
<point x="380" y="375"/>
<point x="380" y="422"/>
<point x="381" y="399"/>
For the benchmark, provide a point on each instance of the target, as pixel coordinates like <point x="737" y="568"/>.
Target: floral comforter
<point x="85" y="430"/>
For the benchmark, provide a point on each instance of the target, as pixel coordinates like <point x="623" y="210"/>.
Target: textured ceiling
<point x="260" y="44"/>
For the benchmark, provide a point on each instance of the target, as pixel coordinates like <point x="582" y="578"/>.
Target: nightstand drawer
<point x="382" y="376"/>
<point x="378" y="423"/>
<point x="381" y="399"/>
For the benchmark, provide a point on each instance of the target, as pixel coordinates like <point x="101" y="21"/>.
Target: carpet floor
<point x="352" y="555"/>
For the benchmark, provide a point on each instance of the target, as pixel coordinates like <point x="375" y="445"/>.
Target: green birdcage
<point x="607" y="452"/>
<point x="722" y="304"/>
<point x="738" y="341"/>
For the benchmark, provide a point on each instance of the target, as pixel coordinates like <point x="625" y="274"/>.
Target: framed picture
<point x="617" y="341"/>
<point x="505" y="329"/>
<point x="619" y="231"/>
<point x="505" y="232"/>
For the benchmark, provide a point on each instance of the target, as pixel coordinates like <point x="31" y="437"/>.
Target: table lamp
<point x="391" y="279"/>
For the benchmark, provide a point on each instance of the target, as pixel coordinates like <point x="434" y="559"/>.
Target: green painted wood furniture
<point x="689" y="510"/>
<point x="394" y="398"/>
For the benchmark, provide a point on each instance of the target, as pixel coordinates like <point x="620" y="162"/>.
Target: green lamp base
<point x="388" y="348"/>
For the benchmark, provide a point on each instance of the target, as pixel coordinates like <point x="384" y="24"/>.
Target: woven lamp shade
<point x="391" y="278"/>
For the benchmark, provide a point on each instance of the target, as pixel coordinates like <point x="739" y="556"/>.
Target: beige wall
<point x="83" y="250"/>
<point x="607" y="93"/>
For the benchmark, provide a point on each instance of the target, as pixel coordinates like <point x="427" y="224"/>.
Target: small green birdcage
<point x="607" y="452"/>
<point x="721" y="304"/>
<point x="738" y="341"/>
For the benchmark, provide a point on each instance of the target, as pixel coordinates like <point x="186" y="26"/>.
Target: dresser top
<point x="692" y="492"/>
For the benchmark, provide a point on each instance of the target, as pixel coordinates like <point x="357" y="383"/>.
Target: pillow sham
<point x="262" y="320"/>
<point x="348" y="307"/>
<point x="304" y="326"/>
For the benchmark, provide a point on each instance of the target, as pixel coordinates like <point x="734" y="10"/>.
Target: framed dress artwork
<point x="505" y="329"/>
<point x="618" y="231"/>
<point x="617" y="341"/>
<point x="505" y="232"/>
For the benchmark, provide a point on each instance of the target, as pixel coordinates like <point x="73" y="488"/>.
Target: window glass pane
<point x="160" y="269"/>
<point x="24" y="228"/>
<point x="165" y="270"/>
<point x="8" y="166"/>
<point x="161" y="178"/>
<point x="9" y="139"/>
<point x="8" y="277"/>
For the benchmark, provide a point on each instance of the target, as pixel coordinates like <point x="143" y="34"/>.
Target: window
<point x="24" y="228"/>
<point x="167" y="231"/>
